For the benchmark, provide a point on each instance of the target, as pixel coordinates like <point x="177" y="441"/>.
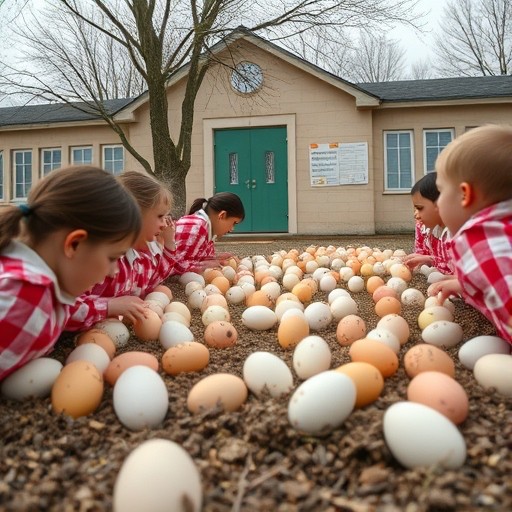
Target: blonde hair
<point x="482" y="157"/>
<point x="146" y="189"/>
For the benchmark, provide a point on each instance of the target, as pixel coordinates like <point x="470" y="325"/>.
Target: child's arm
<point x="415" y="260"/>
<point x="445" y="288"/>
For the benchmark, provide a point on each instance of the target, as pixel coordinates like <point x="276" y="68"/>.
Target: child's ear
<point x="223" y="214"/>
<point x="467" y="193"/>
<point x="72" y="241"/>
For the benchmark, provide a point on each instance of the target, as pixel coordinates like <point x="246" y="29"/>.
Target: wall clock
<point x="247" y="77"/>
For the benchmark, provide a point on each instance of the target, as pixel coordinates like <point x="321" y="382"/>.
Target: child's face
<point x="222" y="224"/>
<point x="449" y="203"/>
<point x="153" y="222"/>
<point x="426" y="211"/>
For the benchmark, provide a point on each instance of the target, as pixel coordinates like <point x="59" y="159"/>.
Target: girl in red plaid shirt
<point x="431" y="235"/>
<point x="474" y="177"/>
<point x="66" y="238"/>
<point x="148" y="263"/>
<point x="196" y="232"/>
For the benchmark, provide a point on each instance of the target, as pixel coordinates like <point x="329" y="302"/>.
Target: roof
<point x="56" y="112"/>
<point x="436" y="89"/>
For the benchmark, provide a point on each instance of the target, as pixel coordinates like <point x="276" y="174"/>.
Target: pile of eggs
<point x="277" y="293"/>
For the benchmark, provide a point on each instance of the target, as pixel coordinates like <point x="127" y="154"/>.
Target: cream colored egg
<point x="397" y="324"/>
<point x="327" y="283"/>
<point x="385" y="336"/>
<point x="355" y="284"/>
<point x="412" y="297"/>
<point x="179" y="307"/>
<point x="272" y="289"/>
<point x="401" y="271"/>
<point x="211" y="289"/>
<point x="173" y="333"/>
<point x="337" y="292"/>
<point x="192" y="286"/>
<point x="215" y="313"/>
<point x="311" y="356"/>
<point x="286" y="305"/>
<point x="259" y="318"/>
<point x="398" y="284"/>
<point x="435" y="277"/>
<point x="196" y="298"/>
<point x="92" y="353"/>
<point x="473" y="349"/>
<point x="342" y="307"/>
<point x="318" y="315"/>
<point x="276" y="379"/>
<point x="434" y="301"/>
<point x="187" y="277"/>
<point x="442" y="333"/>
<point x="117" y="331"/>
<point x="159" y="297"/>
<point x="433" y="314"/>
<point x="177" y="317"/>
<point x="494" y="371"/>
<point x="235" y="295"/>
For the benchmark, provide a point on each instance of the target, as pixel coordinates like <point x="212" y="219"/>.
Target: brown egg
<point x="78" y="389"/>
<point x="303" y="292"/>
<point x="383" y="291"/>
<point x="259" y="298"/>
<point x="376" y="353"/>
<point x="397" y="325"/>
<point x="149" y="328"/>
<point x="164" y="289"/>
<point x="388" y="306"/>
<point x="291" y="330"/>
<point x="424" y="357"/>
<point x="216" y="299"/>
<point x="211" y="273"/>
<point x="287" y="296"/>
<point x="350" y="328"/>
<point x="222" y="283"/>
<point x="222" y="390"/>
<point x="126" y="360"/>
<point x="367" y="379"/>
<point x="220" y="334"/>
<point x="373" y="283"/>
<point x="99" y="337"/>
<point x="179" y="307"/>
<point x="185" y="357"/>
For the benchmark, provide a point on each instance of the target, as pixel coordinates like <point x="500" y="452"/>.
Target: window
<point x="398" y="160"/>
<point x="113" y="159"/>
<point x="81" y="155"/>
<point x="434" y="141"/>
<point x="50" y="159"/>
<point x="1" y="174"/>
<point x="22" y="180"/>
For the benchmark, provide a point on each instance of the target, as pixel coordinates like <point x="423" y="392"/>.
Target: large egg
<point x="185" y="357"/>
<point x="424" y="357"/>
<point x="126" y="360"/>
<point x="173" y="333"/>
<point x="397" y="324"/>
<point x="100" y="338"/>
<point x="215" y="313"/>
<point x="117" y="331"/>
<point x="480" y="346"/>
<point x="442" y="333"/>
<point x="318" y="315"/>
<point x="92" y="353"/>
<point x="311" y="356"/>
<point x="148" y="328"/>
<point x="367" y="379"/>
<point x="376" y="353"/>
<point x="349" y="329"/>
<point x="220" y="334"/>
<point x="259" y="318"/>
<point x="433" y="314"/>
<point x="495" y="371"/>
<point x="263" y="371"/>
<point x="292" y="330"/>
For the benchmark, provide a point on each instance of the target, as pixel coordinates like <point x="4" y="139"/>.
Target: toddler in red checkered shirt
<point x="431" y="234"/>
<point x="66" y="238"/>
<point x="474" y="177"/>
<point x="196" y="232"/>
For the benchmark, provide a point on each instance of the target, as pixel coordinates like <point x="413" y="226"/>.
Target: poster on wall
<point x="338" y="164"/>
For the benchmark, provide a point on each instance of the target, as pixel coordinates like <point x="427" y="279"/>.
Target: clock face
<point x="246" y="77"/>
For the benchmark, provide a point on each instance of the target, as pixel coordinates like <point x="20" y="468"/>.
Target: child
<point x="197" y="231"/>
<point x="430" y="244"/>
<point x="474" y="177"/>
<point x="71" y="237"/>
<point x="146" y="265"/>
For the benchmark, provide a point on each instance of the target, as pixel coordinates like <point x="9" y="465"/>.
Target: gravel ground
<point x="252" y="459"/>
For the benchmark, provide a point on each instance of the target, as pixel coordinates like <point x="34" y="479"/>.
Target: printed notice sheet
<point x="338" y="164"/>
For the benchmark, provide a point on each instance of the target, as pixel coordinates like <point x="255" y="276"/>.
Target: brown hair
<point x="146" y="189"/>
<point x="482" y="157"/>
<point x="80" y="197"/>
<point x="222" y="201"/>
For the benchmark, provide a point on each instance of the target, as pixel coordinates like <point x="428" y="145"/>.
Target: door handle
<point x="250" y="183"/>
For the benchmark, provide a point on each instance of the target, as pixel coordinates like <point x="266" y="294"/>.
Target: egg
<point x="318" y="315"/>
<point x="185" y="357"/>
<point x="367" y="379"/>
<point x="388" y="306"/>
<point x="442" y="393"/>
<point x="311" y="356"/>
<point x="148" y="328"/>
<point x="412" y="297"/>
<point x="277" y="378"/>
<point x="220" y="334"/>
<point x="285" y="305"/>
<point x="140" y="398"/>
<point x="303" y="292"/>
<point x="179" y="307"/>
<point x="425" y="357"/>
<point x="158" y="475"/>
<point x="322" y="403"/>
<point x="164" y="289"/>
<point x="34" y="379"/>
<point x="494" y="371"/>
<point x="117" y="331"/>
<point x="350" y="329"/>
<point x="342" y="307"/>
<point x="92" y="353"/>
<point x="260" y="298"/>
<point x="473" y="349"/>
<point x="386" y="337"/>
<point x="235" y="295"/>
<point x="160" y="297"/>
<point x="77" y="390"/>
<point x="126" y="360"/>
<point x="398" y="284"/>
<point x="383" y="291"/>
<point x="187" y="277"/>
<point x="215" y="299"/>
<point x="327" y="283"/>
<point x="419" y="436"/>
<point x="191" y="287"/>
<point x="292" y="330"/>
<point x="98" y="337"/>
<point x="442" y="333"/>
<point x="173" y="333"/>
<point x="376" y="353"/>
<point x="397" y="325"/>
<point x="355" y="284"/>
<point x="373" y="283"/>
<point x="401" y="271"/>
<point x="433" y="314"/>
<point x="222" y="390"/>
<point x="175" y="316"/>
<point x="259" y="318"/>
<point x="272" y="289"/>
<point x="336" y="293"/>
<point x="196" y="299"/>
<point x="214" y="314"/>
<point x="222" y="283"/>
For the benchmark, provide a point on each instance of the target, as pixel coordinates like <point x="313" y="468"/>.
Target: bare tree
<point x="160" y="36"/>
<point x="422" y="70"/>
<point x="475" y="38"/>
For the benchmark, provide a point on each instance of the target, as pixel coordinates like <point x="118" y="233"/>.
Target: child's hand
<point x="131" y="308"/>
<point x="415" y="260"/>
<point x="444" y="289"/>
<point x="167" y="235"/>
<point x="224" y="257"/>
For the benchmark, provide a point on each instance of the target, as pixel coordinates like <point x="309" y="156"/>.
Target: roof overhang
<point x="443" y="103"/>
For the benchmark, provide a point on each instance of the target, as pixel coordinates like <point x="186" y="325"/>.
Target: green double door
<point x="253" y="163"/>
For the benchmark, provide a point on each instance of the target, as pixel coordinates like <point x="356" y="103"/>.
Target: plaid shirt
<point x="482" y="250"/>
<point x="434" y="242"/>
<point x="195" y="241"/>
<point x="33" y="309"/>
<point x="139" y="273"/>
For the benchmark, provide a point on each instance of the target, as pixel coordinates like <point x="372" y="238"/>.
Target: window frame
<point x="81" y="148"/>
<point x="388" y="189"/>
<point x="433" y="130"/>
<point x="104" y="148"/>
<point x="14" y="165"/>
<point x="52" y="163"/>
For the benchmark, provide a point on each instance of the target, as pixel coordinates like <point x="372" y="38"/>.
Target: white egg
<point x="159" y="297"/>
<point x="398" y="284"/>
<point x="475" y="348"/>
<point x="378" y="268"/>
<point x="322" y="403"/>
<point x="259" y="318"/>
<point x="298" y="313"/>
<point x="337" y="264"/>
<point x="179" y="307"/>
<point x="433" y="314"/>
<point x="173" y="333"/>
<point x="319" y="273"/>
<point x="196" y="298"/>
<point x="34" y="379"/>
<point x="276" y="271"/>
<point x="318" y="315"/>
<point x="412" y="297"/>
<point x="312" y="355"/>
<point x="177" y="317"/>
<point x="435" y="276"/>
<point x="397" y="324"/>
<point x="158" y="475"/>
<point x="235" y="295"/>
<point x="140" y="398"/>
<point x="346" y="273"/>
<point x="355" y="284"/>
<point x="246" y="279"/>
<point x="263" y="370"/>
<point x="272" y="289"/>
<point x="214" y="313"/>
<point x="290" y="280"/>
<point x="328" y="283"/>
<point x="385" y="336"/>
<point x="211" y="289"/>
<point x="442" y="333"/>
<point x="426" y="270"/>
<point x="337" y="292"/>
<point x="286" y="305"/>
<point x="192" y="286"/>
<point x="342" y="307"/>
<point x="419" y="436"/>
<point x="228" y="272"/>
<point x="495" y="371"/>
<point x="90" y="352"/>
<point x="116" y="330"/>
<point x="185" y="278"/>
<point x="248" y="288"/>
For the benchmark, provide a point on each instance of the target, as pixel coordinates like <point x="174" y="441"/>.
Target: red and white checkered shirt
<point x="482" y="251"/>
<point x="33" y="309"/>
<point x="194" y="240"/>
<point x="140" y="272"/>
<point x="434" y="242"/>
<point x="421" y="233"/>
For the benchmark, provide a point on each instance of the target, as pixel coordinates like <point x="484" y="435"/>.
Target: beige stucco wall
<point x="395" y="210"/>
